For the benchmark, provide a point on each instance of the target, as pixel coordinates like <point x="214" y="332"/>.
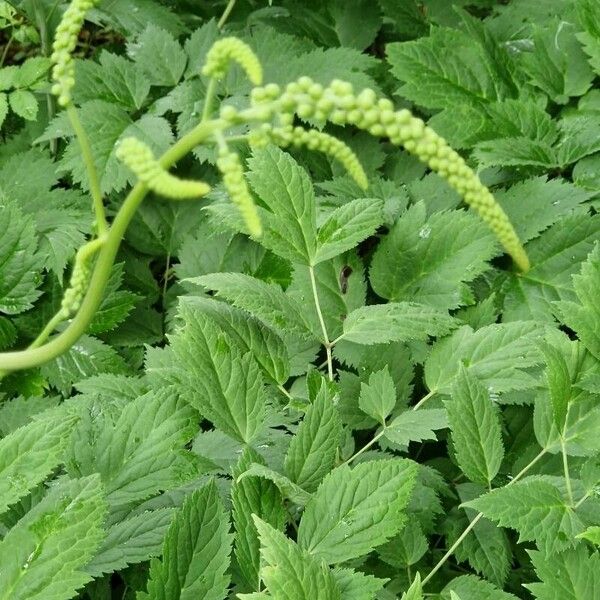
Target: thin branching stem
<point x="226" y="14"/>
<point x="328" y="345"/>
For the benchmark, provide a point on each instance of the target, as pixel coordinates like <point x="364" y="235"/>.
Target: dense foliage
<point x="265" y="334"/>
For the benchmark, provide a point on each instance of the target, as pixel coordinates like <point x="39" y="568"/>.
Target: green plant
<point x="293" y="363"/>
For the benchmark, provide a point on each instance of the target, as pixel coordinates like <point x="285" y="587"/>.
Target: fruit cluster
<point x="229" y="49"/>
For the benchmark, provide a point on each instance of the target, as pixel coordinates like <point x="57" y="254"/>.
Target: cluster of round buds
<point x="313" y="140"/>
<point x="80" y="277"/>
<point x="65" y="41"/>
<point x="140" y="159"/>
<point x="339" y="104"/>
<point x="231" y="168"/>
<point x="229" y="49"/>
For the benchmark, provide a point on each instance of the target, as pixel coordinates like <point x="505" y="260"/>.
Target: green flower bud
<point x="229" y="49"/>
<point x="140" y="159"/>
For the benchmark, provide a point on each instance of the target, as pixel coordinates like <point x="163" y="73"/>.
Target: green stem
<point x="477" y="518"/>
<point x="6" y="48"/>
<point x="26" y="359"/>
<point x="326" y="342"/>
<point x="226" y="14"/>
<point x="365" y="447"/>
<point x="565" y="461"/>
<point x="423" y="400"/>
<point x="208" y="98"/>
<point x="88" y="159"/>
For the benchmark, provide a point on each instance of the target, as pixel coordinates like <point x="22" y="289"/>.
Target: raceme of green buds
<point x="80" y="277"/>
<point x="229" y="49"/>
<point x="65" y="41"/>
<point x="339" y="104"/>
<point x="140" y="159"/>
<point x="313" y="140"/>
<point x="230" y="166"/>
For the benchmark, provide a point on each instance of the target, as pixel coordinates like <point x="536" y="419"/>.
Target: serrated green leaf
<point x="555" y="257"/>
<point x="30" y="453"/>
<point x="291" y="573"/>
<point x="24" y="104"/>
<point x="355" y="585"/>
<point x="395" y="322"/>
<point x="559" y="383"/>
<point x="195" y="553"/>
<point x="536" y="509"/>
<point x="141" y="452"/>
<point x="570" y="575"/>
<point x="378" y="397"/>
<point x="498" y="355"/>
<point x="266" y="301"/>
<point x="285" y="485"/>
<point x="415" y="591"/>
<point x="253" y="496"/>
<point x="3" y="107"/>
<point x="347" y="226"/>
<point x="131" y="541"/>
<point x="157" y="53"/>
<point x="285" y="188"/>
<point x="584" y="316"/>
<point x="221" y="381"/>
<point x="43" y="555"/>
<point x="19" y="266"/>
<point x="445" y="67"/>
<point x="557" y="65"/>
<point x="475" y="426"/>
<point x="250" y="334"/>
<point x="516" y="152"/>
<point x="428" y="260"/>
<point x="469" y="586"/>
<point x="355" y="510"/>
<point x="313" y="449"/>
<point x="416" y="425"/>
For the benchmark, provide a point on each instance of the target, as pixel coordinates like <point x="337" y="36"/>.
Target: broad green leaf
<point x="43" y="556"/>
<point x="558" y="64"/>
<point x="347" y="226"/>
<point x="535" y="204"/>
<point x="249" y="333"/>
<point x="198" y="45"/>
<point x="30" y="453"/>
<point x="570" y="575"/>
<point x="87" y="357"/>
<point x="141" y="453"/>
<point x="221" y="380"/>
<point x="112" y="79"/>
<point x="313" y="449"/>
<point x="378" y="397"/>
<point x="515" y="151"/>
<point x="395" y="322"/>
<point x="469" y="587"/>
<point x="131" y="17"/>
<point x="195" y="552"/>
<point x="355" y="585"/>
<point x="158" y="55"/>
<point x="291" y="573"/>
<point x="266" y="301"/>
<point x="356" y="510"/>
<point x="356" y="25"/>
<point x="428" y="260"/>
<point x="24" y="104"/>
<point x="20" y="411"/>
<point x="444" y="68"/>
<point x="536" y="509"/>
<point x="287" y="192"/>
<point x="416" y="425"/>
<point x="475" y="425"/>
<point x="555" y="257"/>
<point x="253" y="496"/>
<point x="285" y="485"/>
<point x="20" y="264"/>
<point x="579" y="137"/>
<point x="559" y="383"/>
<point x="131" y="541"/>
<point x="406" y="548"/>
<point x="591" y="534"/>
<point x="3" y="107"/>
<point x="583" y="316"/>
<point x="415" y="591"/>
<point x="407" y="18"/>
<point x="497" y="355"/>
